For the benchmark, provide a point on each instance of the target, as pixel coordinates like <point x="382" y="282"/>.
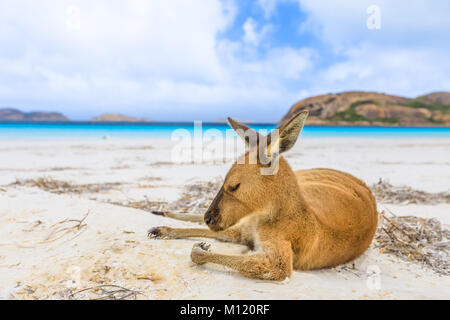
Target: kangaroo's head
<point x="256" y="179"/>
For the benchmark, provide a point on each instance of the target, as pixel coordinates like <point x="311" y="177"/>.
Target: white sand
<point x="113" y="248"/>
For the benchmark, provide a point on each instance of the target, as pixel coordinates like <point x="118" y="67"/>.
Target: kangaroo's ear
<point x="250" y="136"/>
<point x="287" y="134"/>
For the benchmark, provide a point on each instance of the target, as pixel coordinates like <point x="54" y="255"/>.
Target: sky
<point x="184" y="60"/>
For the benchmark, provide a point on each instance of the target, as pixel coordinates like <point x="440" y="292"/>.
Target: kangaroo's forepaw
<point x="159" y="213"/>
<point x="200" y="252"/>
<point x="160" y="233"/>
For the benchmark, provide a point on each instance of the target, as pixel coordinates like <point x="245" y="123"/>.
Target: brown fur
<point x="302" y="220"/>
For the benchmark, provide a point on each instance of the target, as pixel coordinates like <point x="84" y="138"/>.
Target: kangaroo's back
<point x="346" y="210"/>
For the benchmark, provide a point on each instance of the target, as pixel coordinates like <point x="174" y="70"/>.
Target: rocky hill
<point x="113" y="117"/>
<point x="372" y="108"/>
<point x="14" y="115"/>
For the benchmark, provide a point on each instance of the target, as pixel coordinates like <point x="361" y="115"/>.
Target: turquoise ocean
<point x="87" y="130"/>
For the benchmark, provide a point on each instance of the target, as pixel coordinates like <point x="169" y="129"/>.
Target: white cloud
<point x="132" y="41"/>
<point x="403" y="22"/>
<point x="252" y="35"/>
<point x="268" y="6"/>
<point x="282" y="64"/>
<point x="395" y="71"/>
<point x="407" y="56"/>
<point x="150" y="58"/>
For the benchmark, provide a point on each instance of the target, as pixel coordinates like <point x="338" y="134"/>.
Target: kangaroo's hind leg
<point x="273" y="263"/>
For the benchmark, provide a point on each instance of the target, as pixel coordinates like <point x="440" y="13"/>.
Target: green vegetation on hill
<point x="350" y="115"/>
<point x="435" y="121"/>
<point x="387" y="120"/>
<point x="361" y="102"/>
<point x="434" y="106"/>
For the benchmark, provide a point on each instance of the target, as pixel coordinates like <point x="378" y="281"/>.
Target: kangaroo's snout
<point x="212" y="215"/>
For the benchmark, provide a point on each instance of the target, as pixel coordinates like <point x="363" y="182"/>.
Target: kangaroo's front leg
<point x="274" y="263"/>
<point x="229" y="235"/>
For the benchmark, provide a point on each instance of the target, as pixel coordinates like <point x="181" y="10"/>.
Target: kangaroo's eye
<point x="233" y="188"/>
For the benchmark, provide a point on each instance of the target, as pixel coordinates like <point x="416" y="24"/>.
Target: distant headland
<point x="361" y="108"/>
<point x="14" y="115"/>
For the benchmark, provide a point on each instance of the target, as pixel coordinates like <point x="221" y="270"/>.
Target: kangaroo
<point x="303" y="220"/>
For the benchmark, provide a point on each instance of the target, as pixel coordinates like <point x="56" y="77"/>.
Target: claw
<point x="159" y="213"/>
<point x="202" y="245"/>
<point x="154" y="233"/>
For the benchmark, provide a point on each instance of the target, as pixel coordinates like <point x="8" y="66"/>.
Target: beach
<point x="74" y="214"/>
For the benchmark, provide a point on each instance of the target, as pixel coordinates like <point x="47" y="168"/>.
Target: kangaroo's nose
<point x="211" y="216"/>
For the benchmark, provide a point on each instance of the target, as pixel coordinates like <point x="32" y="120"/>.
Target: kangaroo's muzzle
<point x="212" y="216"/>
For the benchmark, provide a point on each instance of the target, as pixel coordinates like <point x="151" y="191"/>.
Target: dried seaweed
<point x="196" y="197"/>
<point x="105" y="292"/>
<point x="64" y="227"/>
<point x="63" y="187"/>
<point x="145" y="204"/>
<point x="191" y="206"/>
<point x="349" y="268"/>
<point x="387" y="193"/>
<point x="74" y="227"/>
<point x="415" y="239"/>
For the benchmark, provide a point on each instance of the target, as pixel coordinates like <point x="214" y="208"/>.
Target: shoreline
<point x="219" y="123"/>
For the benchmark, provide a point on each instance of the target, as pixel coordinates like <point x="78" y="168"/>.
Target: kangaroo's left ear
<point x="287" y="135"/>
<point x="250" y="136"/>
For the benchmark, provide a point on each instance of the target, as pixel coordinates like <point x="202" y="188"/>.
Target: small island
<point x="115" y="117"/>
